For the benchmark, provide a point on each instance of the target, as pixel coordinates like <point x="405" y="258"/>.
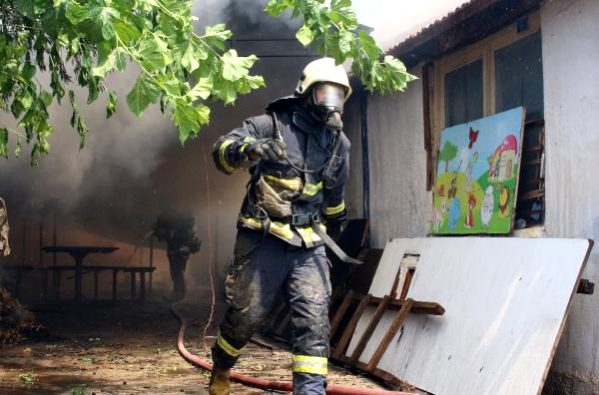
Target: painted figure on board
<point x="472" y="136"/>
<point x="469" y="222"/>
<point x="438" y="215"/>
<point x="486" y="210"/>
<point x="470" y="169"/>
<point x="455" y="211"/>
<point x="504" y="200"/>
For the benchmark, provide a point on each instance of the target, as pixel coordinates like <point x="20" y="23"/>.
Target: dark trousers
<point x="253" y="282"/>
<point x="177" y="263"/>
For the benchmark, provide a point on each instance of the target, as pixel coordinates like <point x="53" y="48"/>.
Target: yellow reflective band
<point x="228" y="348"/>
<point x="312" y="189"/>
<point x="283" y="230"/>
<point x="222" y="152"/>
<point x="293" y="184"/>
<point x="335" y="210"/>
<point x="311" y="365"/>
<point x="276" y="228"/>
<point x="308" y="235"/>
<point x="248" y="140"/>
<point x="251" y="222"/>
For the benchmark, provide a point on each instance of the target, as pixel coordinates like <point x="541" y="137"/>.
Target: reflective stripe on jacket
<point x="309" y="146"/>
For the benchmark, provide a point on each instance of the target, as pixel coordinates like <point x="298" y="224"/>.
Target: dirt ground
<point x="128" y="348"/>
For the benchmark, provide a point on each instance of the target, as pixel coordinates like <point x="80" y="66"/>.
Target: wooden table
<point x="79" y="253"/>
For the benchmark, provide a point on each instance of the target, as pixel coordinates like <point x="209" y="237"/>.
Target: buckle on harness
<point x="304" y="219"/>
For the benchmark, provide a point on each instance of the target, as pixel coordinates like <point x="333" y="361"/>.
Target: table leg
<point x="56" y="278"/>
<point x="114" y="282"/>
<point x="133" y="292"/>
<point x="45" y="284"/>
<point x="78" y="278"/>
<point x="142" y="286"/>
<point x="96" y="284"/>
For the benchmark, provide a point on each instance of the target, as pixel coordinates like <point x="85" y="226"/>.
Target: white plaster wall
<point x="400" y="206"/>
<point x="570" y="34"/>
<point x="352" y="128"/>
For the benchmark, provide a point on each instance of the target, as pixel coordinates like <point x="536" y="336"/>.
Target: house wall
<point x="571" y="82"/>
<point x="400" y="205"/>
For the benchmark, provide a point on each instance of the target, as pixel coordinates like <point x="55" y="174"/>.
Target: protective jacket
<point x="288" y="198"/>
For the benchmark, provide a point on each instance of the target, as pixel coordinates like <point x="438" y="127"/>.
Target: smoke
<point x="242" y="16"/>
<point x="123" y="145"/>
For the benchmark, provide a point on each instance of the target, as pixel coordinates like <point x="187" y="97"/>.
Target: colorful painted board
<point x="477" y="175"/>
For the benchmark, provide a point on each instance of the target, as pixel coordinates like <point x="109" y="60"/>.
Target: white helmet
<point x="323" y="70"/>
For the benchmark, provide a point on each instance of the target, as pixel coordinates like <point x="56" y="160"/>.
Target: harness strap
<point x="329" y="242"/>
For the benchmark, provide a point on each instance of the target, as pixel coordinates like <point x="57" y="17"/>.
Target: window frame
<point x="484" y="50"/>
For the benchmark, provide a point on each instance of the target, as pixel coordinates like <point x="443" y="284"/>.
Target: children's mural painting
<point x="477" y="175"/>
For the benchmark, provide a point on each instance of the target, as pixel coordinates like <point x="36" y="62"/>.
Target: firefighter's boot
<point x="219" y="383"/>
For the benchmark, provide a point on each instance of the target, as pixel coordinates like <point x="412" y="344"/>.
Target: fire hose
<point x="262" y="383"/>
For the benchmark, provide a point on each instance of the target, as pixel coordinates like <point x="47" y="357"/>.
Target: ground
<point x="128" y="348"/>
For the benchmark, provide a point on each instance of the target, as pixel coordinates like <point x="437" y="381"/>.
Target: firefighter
<point x="298" y="159"/>
<point x="177" y="231"/>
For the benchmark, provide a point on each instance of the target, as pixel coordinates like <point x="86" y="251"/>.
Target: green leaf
<point x="28" y="71"/>
<point x="345" y="42"/>
<point x="19" y="148"/>
<point x="305" y="35"/>
<point x="26" y="7"/>
<point x="189" y="60"/>
<point x="111" y="104"/>
<point x="144" y="93"/>
<point x="126" y="32"/>
<point x="236" y="67"/>
<point x="4" y="143"/>
<point x="202" y="89"/>
<point x="276" y="7"/>
<point x="189" y="119"/>
<point x="154" y="52"/>
<point x="369" y="46"/>
<point x="108" y="64"/>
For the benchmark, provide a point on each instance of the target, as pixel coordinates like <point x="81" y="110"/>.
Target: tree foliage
<point x="81" y="42"/>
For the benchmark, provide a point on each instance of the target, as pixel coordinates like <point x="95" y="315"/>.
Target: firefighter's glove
<point x="267" y="149"/>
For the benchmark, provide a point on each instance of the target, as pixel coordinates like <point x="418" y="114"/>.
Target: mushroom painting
<point x="477" y="175"/>
<point x="504" y="160"/>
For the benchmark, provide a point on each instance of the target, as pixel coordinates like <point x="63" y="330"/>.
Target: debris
<point x="16" y="323"/>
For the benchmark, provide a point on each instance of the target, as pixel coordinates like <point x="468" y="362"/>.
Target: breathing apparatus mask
<point x="326" y="104"/>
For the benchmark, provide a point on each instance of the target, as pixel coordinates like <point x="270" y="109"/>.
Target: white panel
<point x="505" y="301"/>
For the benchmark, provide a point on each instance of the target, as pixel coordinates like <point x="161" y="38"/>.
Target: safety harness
<point x="313" y="219"/>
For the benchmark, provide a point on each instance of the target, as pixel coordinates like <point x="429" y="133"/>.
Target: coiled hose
<point x="261" y="383"/>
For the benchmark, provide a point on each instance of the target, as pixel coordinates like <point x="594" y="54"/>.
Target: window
<point x="495" y="74"/>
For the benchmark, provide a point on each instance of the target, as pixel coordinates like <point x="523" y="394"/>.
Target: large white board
<point x="505" y="301"/>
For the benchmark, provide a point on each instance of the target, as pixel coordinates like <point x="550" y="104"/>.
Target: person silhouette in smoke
<point x="177" y="230"/>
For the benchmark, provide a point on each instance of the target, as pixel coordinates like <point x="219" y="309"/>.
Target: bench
<point x="132" y="270"/>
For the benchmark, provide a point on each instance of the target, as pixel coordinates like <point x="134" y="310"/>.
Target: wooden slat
<point x="341" y="311"/>
<point x="351" y="327"/>
<point x="391" y="332"/>
<point x="532" y="162"/>
<point x="380" y="373"/>
<point x="530" y="195"/>
<point x="380" y="310"/>
<point x="431" y="308"/>
<point x="406" y="284"/>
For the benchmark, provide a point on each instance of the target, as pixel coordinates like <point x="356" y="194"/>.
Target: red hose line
<point x="261" y="383"/>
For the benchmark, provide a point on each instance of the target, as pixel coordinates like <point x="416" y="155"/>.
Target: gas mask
<point x="326" y="102"/>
